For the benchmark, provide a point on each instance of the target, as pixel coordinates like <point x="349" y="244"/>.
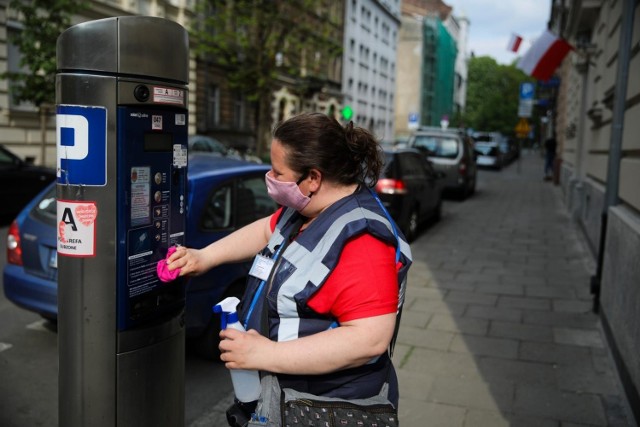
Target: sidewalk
<point x="497" y="328"/>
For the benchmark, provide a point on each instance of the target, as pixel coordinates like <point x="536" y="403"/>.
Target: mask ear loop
<point x="302" y="178"/>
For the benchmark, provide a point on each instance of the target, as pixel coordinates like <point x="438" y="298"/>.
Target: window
<point x="46" y="207"/>
<point x="238" y="203"/>
<point x="412" y="166"/>
<point x="213" y="106"/>
<point x="238" y="111"/>
<point x="14" y="56"/>
<point x="437" y="146"/>
<point x="217" y="214"/>
<point x="261" y="204"/>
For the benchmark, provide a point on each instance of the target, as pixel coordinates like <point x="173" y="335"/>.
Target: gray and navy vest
<point x="305" y="264"/>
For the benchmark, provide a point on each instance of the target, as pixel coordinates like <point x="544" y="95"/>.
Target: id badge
<point x="261" y="267"/>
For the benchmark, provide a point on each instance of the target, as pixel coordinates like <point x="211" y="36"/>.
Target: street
<point x="497" y="328"/>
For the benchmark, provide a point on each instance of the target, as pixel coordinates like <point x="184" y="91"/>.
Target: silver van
<point x="451" y="152"/>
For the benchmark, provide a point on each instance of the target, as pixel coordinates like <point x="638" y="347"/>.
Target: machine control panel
<point x="152" y="185"/>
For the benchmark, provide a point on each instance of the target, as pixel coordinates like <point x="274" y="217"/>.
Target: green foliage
<point x="256" y="41"/>
<point x="43" y="21"/>
<point x="492" y="95"/>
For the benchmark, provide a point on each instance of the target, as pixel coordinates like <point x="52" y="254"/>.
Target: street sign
<point x="522" y="128"/>
<point x="526" y="90"/>
<point x="413" y="121"/>
<point x="81" y="134"/>
<point x="525" y="106"/>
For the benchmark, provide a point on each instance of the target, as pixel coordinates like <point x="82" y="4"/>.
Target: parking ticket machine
<point x="122" y="125"/>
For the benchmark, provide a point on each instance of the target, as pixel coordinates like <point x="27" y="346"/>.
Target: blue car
<point x="224" y="195"/>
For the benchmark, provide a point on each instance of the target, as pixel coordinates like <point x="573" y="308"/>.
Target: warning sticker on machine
<point x="166" y="95"/>
<point x="77" y="228"/>
<point x="140" y="195"/>
<point x="179" y="156"/>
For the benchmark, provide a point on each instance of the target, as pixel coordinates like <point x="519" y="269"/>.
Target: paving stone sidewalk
<point x="498" y="328"/>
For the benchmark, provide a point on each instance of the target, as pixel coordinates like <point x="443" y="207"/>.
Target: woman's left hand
<point x="244" y="350"/>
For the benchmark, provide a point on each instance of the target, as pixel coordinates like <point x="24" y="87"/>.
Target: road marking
<point x="5" y="346"/>
<point x="38" y="325"/>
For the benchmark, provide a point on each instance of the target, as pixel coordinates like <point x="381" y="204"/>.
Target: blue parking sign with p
<point x="81" y="135"/>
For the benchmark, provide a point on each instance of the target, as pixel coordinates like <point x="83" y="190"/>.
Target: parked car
<point x="224" y="194"/>
<point x="492" y="149"/>
<point x="487" y="137"/>
<point x="510" y="150"/>
<point x="488" y="155"/>
<point x="21" y="181"/>
<point x="410" y="189"/>
<point x="451" y="153"/>
<point x="208" y="144"/>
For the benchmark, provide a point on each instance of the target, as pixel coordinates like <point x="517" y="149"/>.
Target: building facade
<point x="369" y="76"/>
<point x="408" y="95"/>
<point x="30" y="132"/>
<point x="458" y="27"/>
<point x="433" y="73"/>
<point x="438" y="73"/>
<point x="598" y="123"/>
<point x="316" y="84"/>
<point x="215" y="108"/>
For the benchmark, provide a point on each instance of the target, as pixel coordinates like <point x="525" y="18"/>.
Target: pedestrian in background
<point x="322" y="314"/>
<point x="550" y="147"/>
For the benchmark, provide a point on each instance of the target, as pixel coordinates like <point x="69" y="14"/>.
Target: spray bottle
<point x="246" y="384"/>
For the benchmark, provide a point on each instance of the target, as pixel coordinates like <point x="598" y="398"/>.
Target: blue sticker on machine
<point x="81" y="136"/>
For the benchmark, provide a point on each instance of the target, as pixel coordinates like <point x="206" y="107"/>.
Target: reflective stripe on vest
<point x="309" y="260"/>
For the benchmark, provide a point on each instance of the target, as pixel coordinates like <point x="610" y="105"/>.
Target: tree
<point x="257" y="42"/>
<point x="492" y="95"/>
<point x="42" y="22"/>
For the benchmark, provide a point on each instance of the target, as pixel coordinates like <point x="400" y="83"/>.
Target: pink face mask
<point x="286" y="193"/>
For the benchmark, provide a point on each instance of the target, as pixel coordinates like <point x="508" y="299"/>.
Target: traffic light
<point x="347" y="112"/>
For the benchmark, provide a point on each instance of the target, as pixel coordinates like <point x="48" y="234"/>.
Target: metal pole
<point x="519" y="155"/>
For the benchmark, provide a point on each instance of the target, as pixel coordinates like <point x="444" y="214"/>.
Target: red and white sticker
<point x="77" y="228"/>
<point x="167" y="95"/>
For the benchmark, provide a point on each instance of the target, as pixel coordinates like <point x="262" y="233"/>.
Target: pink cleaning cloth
<point x="163" y="269"/>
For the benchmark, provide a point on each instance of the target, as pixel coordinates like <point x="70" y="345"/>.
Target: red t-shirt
<point x="363" y="284"/>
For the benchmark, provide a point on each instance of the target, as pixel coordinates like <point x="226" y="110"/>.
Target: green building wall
<point x="438" y="72"/>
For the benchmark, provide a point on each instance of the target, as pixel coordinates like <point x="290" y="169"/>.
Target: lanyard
<point x="276" y="258"/>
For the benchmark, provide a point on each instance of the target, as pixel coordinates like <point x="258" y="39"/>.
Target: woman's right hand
<point x="191" y="262"/>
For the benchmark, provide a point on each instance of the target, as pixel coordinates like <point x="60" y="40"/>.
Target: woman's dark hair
<point x="345" y="155"/>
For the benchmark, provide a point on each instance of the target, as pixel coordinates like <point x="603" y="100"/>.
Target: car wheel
<point x="411" y="230"/>
<point x="206" y="345"/>
<point x="469" y="188"/>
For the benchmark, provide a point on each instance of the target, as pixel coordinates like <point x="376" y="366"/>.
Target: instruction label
<point x="77" y="228"/>
<point x="140" y="195"/>
<point x="179" y="156"/>
<point x="166" y="95"/>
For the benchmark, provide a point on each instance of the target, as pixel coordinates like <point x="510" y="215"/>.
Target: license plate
<point x="53" y="259"/>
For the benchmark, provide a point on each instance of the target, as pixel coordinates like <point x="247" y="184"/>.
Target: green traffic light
<point x="347" y="112"/>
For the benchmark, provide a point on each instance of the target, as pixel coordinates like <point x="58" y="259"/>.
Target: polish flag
<point x="544" y="56"/>
<point x="514" y="43"/>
